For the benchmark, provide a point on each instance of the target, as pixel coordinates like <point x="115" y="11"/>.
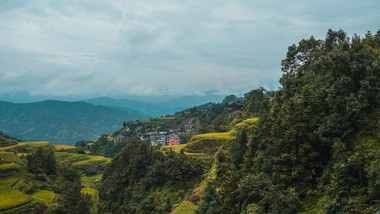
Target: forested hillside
<point x="316" y="146"/>
<point x="314" y="149"/>
<point x="61" y="122"/>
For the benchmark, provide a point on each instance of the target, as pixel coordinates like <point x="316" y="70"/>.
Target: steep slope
<point x="62" y="122"/>
<point x="315" y="148"/>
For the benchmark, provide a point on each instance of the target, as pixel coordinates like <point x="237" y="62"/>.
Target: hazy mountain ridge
<point x="62" y="122"/>
<point x="156" y="109"/>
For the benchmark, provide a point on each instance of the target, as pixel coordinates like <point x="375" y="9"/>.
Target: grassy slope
<point x="186" y="207"/>
<point x="92" y="192"/>
<point x="26" y="144"/>
<point x="45" y="195"/>
<point x="208" y="143"/>
<point x="6" y="166"/>
<point x="92" y="159"/>
<point x="203" y="142"/>
<point x="174" y="148"/>
<point x="63" y="147"/>
<point x="80" y="159"/>
<point x="248" y="125"/>
<point x="88" y="180"/>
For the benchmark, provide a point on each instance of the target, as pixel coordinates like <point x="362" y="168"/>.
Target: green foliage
<point x="71" y="199"/>
<point x="42" y="161"/>
<point x="45" y="195"/>
<point x="143" y="179"/>
<point x="44" y="183"/>
<point x="201" y="115"/>
<point x="231" y="99"/>
<point x="210" y="203"/>
<point x="86" y="180"/>
<point x="252" y="103"/>
<point x="32" y="207"/>
<point x="238" y="148"/>
<point x="186" y="207"/>
<point x="316" y="145"/>
<point x="220" y="124"/>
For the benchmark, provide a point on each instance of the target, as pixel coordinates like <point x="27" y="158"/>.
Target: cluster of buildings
<point x="158" y="137"/>
<point x="163" y="137"/>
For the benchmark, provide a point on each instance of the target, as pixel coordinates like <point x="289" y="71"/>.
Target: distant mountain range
<point x="156" y="109"/>
<point x="154" y="106"/>
<point x="62" y="122"/>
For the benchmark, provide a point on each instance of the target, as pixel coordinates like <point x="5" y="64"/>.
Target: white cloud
<point x="160" y="47"/>
<point x="9" y="75"/>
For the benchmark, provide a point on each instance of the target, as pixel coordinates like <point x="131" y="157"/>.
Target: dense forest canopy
<point x="316" y="148"/>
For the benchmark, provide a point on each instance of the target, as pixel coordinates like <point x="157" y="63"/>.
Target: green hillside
<point x="28" y="185"/>
<point x="61" y="122"/>
<point x="156" y="109"/>
<point x="313" y="146"/>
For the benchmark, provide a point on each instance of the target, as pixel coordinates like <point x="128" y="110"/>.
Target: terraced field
<point x="8" y="157"/>
<point x="202" y="144"/>
<point x="208" y="143"/>
<point x="86" y="180"/>
<point x="63" y="147"/>
<point x="12" y="201"/>
<point x="24" y="147"/>
<point x="177" y="149"/>
<point x="10" y="198"/>
<point x="248" y="124"/>
<point x="214" y="136"/>
<point x="7" y="166"/>
<point x="92" y="159"/>
<point x="70" y="157"/>
<point x="37" y="144"/>
<point x="45" y="195"/>
<point x="80" y="159"/>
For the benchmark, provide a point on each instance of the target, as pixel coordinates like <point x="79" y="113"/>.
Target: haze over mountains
<point x="155" y="109"/>
<point x="64" y="122"/>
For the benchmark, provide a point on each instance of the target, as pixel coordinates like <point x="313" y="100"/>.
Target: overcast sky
<point x="160" y="47"/>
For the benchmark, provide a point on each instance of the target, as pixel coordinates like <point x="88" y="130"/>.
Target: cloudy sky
<point x="160" y="47"/>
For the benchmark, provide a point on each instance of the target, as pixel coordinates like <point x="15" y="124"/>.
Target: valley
<point x="312" y="146"/>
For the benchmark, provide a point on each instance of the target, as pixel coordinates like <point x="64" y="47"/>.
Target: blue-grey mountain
<point x="62" y="122"/>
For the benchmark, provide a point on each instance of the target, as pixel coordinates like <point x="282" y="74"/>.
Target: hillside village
<point x="179" y="128"/>
<point x="159" y="136"/>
